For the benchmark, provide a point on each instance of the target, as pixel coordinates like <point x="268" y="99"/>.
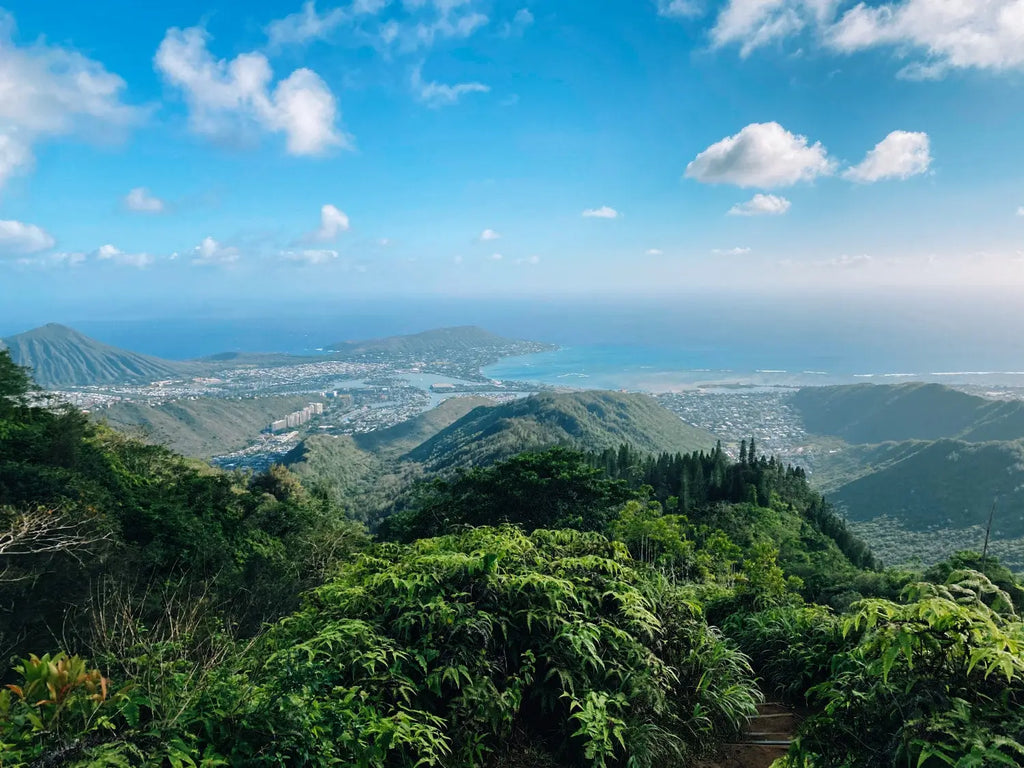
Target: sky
<point x="204" y="153"/>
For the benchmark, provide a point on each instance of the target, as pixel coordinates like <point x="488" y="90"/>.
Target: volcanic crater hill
<point x="59" y="356"/>
<point x="592" y="420"/>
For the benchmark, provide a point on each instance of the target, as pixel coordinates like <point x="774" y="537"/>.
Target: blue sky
<point x="236" y="152"/>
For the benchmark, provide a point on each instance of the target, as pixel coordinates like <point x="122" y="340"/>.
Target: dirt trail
<point x="765" y="739"/>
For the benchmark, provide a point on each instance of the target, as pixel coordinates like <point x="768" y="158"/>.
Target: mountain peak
<point x="60" y="356"/>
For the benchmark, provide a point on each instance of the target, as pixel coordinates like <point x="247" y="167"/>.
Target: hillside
<point x="59" y="356"/>
<point x="405" y="436"/>
<point x="944" y="483"/>
<point x="201" y="428"/>
<point x="440" y="343"/>
<point x="876" y="413"/>
<point x="593" y="420"/>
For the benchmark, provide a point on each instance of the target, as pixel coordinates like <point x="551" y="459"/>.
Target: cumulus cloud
<point x="678" y="8"/>
<point x="604" y="212"/>
<point x="497" y="257"/>
<point x="311" y="257"/>
<point x="117" y="256"/>
<point x="231" y="98"/>
<point x="984" y="34"/>
<point x="1020" y="210"/>
<point x="47" y="91"/>
<point x="211" y="253"/>
<point x="332" y="223"/>
<point x="899" y="155"/>
<point x="761" y="155"/>
<point x="435" y="94"/>
<point x="654" y="252"/>
<point x="19" y="239"/>
<point x="140" y="199"/>
<point x="489" y="234"/>
<point x="761" y="205"/>
<point x="730" y="251"/>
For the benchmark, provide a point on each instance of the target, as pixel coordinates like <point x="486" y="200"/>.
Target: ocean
<point x="656" y="344"/>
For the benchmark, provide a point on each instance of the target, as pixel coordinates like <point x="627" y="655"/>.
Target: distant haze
<point x="886" y="332"/>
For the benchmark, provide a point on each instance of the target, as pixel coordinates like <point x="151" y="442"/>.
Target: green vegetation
<point x="927" y="464"/>
<point x="201" y="427"/>
<point x="440" y="344"/>
<point x="404" y="437"/>
<point x="591" y="420"/>
<point x="608" y="608"/>
<point x="874" y="413"/>
<point x="104" y="522"/>
<point x="61" y="357"/>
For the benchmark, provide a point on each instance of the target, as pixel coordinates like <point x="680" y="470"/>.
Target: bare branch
<point x="41" y="532"/>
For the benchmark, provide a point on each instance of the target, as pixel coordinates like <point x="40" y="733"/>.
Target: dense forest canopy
<point x="563" y="607"/>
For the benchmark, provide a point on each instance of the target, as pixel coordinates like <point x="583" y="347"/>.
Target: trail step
<point x="766" y="738"/>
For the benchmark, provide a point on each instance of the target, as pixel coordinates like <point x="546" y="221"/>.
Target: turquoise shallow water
<point x="653" y="369"/>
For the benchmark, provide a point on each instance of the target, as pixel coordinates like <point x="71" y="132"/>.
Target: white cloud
<point x="604" y="212"/>
<point x="755" y="23"/>
<point x="52" y="260"/>
<point x="497" y="257"/>
<point x="519" y="24"/>
<point x="730" y="251"/>
<point x="15" y="157"/>
<point x="950" y="34"/>
<point x="1020" y="210"/>
<point x="46" y="91"/>
<point x="312" y="257"/>
<point x="305" y="25"/>
<point x="209" y="253"/>
<point x="957" y="34"/>
<point x="678" y="8"/>
<point x="439" y="94"/>
<point x="845" y="262"/>
<point x="18" y="238"/>
<point x="654" y="252"/>
<point x="761" y="205"/>
<point x="489" y="234"/>
<point x="761" y="155"/>
<point x="69" y="259"/>
<point x="529" y="260"/>
<point x="332" y="223"/>
<point x="140" y="199"/>
<point x="230" y="98"/>
<point x="117" y="256"/>
<point x="447" y="25"/>
<point x="899" y="155"/>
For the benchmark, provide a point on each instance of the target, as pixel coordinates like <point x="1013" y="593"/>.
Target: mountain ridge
<point x="594" y="419"/>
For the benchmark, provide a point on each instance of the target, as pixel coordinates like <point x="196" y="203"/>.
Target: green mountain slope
<point x="440" y="343"/>
<point x="204" y="427"/>
<point x="593" y="420"/>
<point x="943" y="483"/>
<point x="874" y="413"/>
<point x="59" y="356"/>
<point x="405" y="436"/>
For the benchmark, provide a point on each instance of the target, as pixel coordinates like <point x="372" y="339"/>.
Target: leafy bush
<point x="442" y="652"/>
<point x="934" y="680"/>
<point x="791" y="646"/>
